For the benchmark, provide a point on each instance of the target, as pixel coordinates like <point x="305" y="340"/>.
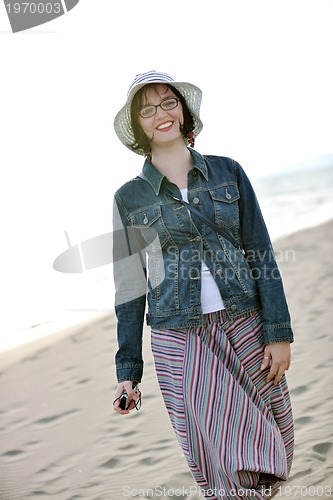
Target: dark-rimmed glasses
<point x="167" y="104"/>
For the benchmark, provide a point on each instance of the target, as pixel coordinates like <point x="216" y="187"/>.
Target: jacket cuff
<point x="280" y="333"/>
<point x="129" y="372"/>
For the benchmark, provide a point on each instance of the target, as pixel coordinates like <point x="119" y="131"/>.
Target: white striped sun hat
<point x="122" y="122"/>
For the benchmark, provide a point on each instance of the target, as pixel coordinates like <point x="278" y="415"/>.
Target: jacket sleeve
<point x="129" y="270"/>
<point x="261" y="259"/>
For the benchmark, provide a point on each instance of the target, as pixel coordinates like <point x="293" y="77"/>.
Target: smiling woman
<point x="220" y="325"/>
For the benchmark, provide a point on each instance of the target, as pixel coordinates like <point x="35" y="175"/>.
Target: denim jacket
<point x="152" y="222"/>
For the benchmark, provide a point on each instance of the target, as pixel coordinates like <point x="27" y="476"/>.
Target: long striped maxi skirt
<point x="235" y="429"/>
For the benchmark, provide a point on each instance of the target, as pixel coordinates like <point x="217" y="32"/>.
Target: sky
<point x="265" y="69"/>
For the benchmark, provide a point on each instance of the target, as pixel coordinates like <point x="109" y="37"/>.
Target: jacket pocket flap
<point x="227" y="194"/>
<point x="146" y="218"/>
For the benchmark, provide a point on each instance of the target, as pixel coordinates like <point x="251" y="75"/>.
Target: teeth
<point x="165" y="125"/>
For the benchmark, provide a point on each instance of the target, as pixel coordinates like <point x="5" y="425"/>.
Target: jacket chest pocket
<point x="225" y="201"/>
<point x="151" y="225"/>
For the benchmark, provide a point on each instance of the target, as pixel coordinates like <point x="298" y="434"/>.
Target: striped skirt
<point x="235" y="429"/>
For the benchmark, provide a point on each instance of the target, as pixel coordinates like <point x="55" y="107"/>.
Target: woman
<point x="220" y="326"/>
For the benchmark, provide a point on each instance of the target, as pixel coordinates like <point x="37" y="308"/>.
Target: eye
<point x="147" y="111"/>
<point x="169" y="103"/>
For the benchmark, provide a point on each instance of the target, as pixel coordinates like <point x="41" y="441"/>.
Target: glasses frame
<point x="160" y="105"/>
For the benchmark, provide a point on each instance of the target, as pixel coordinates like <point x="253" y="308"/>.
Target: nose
<point x="160" y="111"/>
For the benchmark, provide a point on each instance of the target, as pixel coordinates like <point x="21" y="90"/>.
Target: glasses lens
<point x="169" y="103"/>
<point x="147" y="111"/>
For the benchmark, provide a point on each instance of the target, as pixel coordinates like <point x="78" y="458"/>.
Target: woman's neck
<point x="173" y="161"/>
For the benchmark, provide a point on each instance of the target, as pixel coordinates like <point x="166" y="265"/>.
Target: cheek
<point x="146" y="126"/>
<point x="180" y="117"/>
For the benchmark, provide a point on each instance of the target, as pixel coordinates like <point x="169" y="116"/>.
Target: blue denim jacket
<point x="242" y="263"/>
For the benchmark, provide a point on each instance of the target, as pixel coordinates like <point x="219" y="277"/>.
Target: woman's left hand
<point x="278" y="356"/>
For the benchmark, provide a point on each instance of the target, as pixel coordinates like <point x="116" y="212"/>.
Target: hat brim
<point x="123" y="122"/>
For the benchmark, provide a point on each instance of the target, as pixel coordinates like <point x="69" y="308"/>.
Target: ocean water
<point x="295" y="199"/>
<point x="290" y="200"/>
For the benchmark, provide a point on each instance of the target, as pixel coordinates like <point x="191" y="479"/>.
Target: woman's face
<point x="164" y="126"/>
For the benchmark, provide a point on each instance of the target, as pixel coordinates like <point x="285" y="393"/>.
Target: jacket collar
<point x="155" y="178"/>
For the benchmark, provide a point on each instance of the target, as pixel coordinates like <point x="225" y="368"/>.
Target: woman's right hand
<point x="132" y="396"/>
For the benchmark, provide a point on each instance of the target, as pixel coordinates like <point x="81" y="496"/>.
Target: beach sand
<point x="59" y="434"/>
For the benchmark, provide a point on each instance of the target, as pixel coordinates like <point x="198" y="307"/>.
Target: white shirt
<point x="211" y="299"/>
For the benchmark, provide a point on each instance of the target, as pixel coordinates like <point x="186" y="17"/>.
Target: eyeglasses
<point x="166" y="105"/>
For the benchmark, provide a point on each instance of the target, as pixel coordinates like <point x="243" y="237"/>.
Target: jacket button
<point x="219" y="272"/>
<point x="198" y="238"/>
<point x="233" y="308"/>
<point x="196" y="200"/>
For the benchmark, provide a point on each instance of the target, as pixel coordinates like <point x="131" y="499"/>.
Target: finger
<point x="131" y="404"/>
<point x="278" y="376"/>
<point x="132" y="395"/>
<point x="128" y="387"/>
<point x="276" y="373"/>
<point x="122" y="387"/>
<point x="273" y="372"/>
<point x="116" y="404"/>
<point x="265" y="362"/>
<point x="288" y="363"/>
<point x="117" y="408"/>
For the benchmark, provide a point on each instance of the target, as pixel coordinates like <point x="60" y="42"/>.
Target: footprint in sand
<point x="35" y="356"/>
<point x="70" y="383"/>
<point x="322" y="448"/>
<point x="302" y="420"/>
<point x="300" y="474"/>
<point x="55" y="418"/>
<point x="299" y="390"/>
<point x="14" y="454"/>
<point x="79" y="337"/>
<point x="69" y="368"/>
<point x="83" y="381"/>
<point x="110" y="464"/>
<point x="35" y="442"/>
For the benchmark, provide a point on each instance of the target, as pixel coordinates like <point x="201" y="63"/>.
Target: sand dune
<point x="59" y="435"/>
